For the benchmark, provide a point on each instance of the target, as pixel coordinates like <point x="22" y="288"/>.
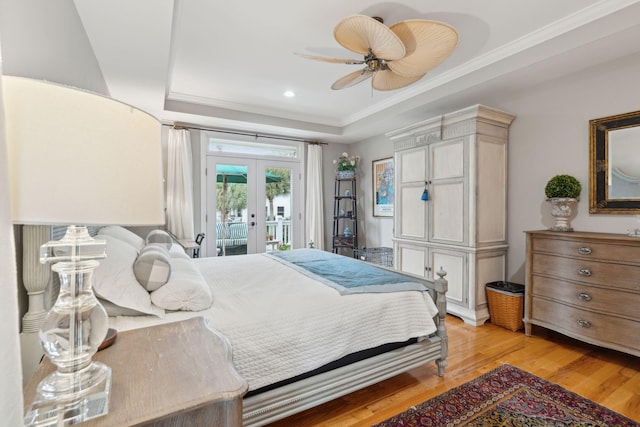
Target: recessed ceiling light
<point x="289" y="93"/>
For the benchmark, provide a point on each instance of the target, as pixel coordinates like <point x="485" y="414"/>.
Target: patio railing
<point x="278" y="232"/>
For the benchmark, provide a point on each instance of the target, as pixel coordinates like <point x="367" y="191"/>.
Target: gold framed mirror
<point x="614" y="164"/>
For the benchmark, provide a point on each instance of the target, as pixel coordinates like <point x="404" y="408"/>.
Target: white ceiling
<point x="226" y="64"/>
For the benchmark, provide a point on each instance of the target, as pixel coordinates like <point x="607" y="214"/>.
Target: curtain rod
<point x="255" y="135"/>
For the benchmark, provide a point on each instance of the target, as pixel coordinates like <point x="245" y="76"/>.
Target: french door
<point x="252" y="205"/>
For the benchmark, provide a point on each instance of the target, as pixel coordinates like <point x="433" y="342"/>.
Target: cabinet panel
<point x="448" y="212"/>
<point x="412" y="222"/>
<point x="447" y="159"/>
<point x="491" y="267"/>
<point x="412" y="165"/>
<point x="492" y="192"/>
<point x="455" y="265"/>
<point x="412" y="260"/>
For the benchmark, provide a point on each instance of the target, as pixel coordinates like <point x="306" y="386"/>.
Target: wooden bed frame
<point x="278" y="403"/>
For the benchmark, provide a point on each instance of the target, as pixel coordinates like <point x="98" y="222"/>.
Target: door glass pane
<point x="278" y="207"/>
<point x="231" y="209"/>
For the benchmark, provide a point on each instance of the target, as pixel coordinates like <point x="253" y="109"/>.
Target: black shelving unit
<point x="345" y="216"/>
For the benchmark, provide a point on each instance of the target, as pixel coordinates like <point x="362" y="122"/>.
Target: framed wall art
<point x="383" y="189"/>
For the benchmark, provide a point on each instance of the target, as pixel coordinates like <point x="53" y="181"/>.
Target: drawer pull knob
<point x="584" y="272"/>
<point x="584" y="323"/>
<point x="584" y="250"/>
<point x="584" y="296"/>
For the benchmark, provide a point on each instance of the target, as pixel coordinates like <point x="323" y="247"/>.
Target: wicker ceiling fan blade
<point x="352" y="79"/>
<point x="388" y="80"/>
<point x="427" y="44"/>
<point x="359" y="33"/>
<point x="332" y="60"/>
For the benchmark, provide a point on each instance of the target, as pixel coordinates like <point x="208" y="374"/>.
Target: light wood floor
<point x="605" y="376"/>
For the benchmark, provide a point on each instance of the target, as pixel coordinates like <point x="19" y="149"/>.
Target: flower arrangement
<point x="346" y="162"/>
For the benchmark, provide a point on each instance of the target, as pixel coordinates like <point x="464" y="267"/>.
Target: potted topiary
<point x="562" y="193"/>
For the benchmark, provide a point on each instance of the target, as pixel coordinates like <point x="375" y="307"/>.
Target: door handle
<point x="253" y="223"/>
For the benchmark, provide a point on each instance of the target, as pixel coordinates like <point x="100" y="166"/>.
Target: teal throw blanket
<point x="346" y="275"/>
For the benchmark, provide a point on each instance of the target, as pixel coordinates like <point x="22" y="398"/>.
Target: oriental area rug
<point x="508" y="397"/>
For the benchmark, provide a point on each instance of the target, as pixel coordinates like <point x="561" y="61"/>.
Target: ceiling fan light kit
<point x="394" y="57"/>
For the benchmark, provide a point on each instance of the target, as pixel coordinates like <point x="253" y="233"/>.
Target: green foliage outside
<point x="281" y="188"/>
<point x="235" y="198"/>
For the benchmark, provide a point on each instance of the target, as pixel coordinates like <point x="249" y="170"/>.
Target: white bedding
<point x="281" y="323"/>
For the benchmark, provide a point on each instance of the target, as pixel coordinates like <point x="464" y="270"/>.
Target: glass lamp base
<point x="64" y="399"/>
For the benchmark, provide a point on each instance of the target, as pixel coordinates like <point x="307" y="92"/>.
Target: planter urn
<point x="561" y="209"/>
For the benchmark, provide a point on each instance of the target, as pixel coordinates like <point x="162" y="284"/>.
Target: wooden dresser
<point x="172" y="375"/>
<point x="585" y="285"/>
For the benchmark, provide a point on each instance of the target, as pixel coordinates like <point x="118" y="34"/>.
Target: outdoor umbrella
<point x="233" y="174"/>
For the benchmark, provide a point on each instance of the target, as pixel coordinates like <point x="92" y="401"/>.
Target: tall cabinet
<point x="460" y="159"/>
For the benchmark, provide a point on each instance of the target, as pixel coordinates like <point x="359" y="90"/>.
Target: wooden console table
<point x="175" y="374"/>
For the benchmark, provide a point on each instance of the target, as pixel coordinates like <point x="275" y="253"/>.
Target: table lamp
<point x="77" y="158"/>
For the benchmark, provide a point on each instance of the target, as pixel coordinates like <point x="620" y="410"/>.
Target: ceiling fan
<point x="394" y="56"/>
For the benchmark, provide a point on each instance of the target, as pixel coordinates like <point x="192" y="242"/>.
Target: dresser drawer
<point x="596" y="328"/>
<point x="612" y="301"/>
<point x="589" y="250"/>
<point x="613" y="275"/>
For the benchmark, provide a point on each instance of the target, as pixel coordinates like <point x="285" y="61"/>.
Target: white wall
<point x="375" y="231"/>
<point x="372" y="231"/>
<point x="549" y="136"/>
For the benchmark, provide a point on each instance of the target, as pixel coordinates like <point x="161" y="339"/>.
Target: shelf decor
<point x="346" y="166"/>
<point x="383" y="187"/>
<point x="345" y="209"/>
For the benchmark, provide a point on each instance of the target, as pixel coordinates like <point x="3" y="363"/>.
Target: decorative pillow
<point x="177" y="251"/>
<point x="123" y="234"/>
<point x="152" y="267"/>
<point x="115" y="282"/>
<point x="160" y="236"/>
<point x="185" y="290"/>
<point x="115" y="310"/>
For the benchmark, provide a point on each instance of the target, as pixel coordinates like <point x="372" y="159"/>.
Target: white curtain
<point x="11" y="373"/>
<point x="180" y="184"/>
<point x="314" y="207"/>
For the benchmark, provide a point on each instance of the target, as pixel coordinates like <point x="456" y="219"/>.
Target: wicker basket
<point x="506" y="304"/>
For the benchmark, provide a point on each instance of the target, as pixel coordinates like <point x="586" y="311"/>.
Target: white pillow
<point x="114" y="280"/>
<point x="115" y="310"/>
<point x="123" y="234"/>
<point x="160" y="236"/>
<point x="152" y="267"/>
<point x="177" y="251"/>
<point x="185" y="290"/>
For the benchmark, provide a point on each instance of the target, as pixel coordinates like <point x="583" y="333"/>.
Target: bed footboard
<point x="279" y="403"/>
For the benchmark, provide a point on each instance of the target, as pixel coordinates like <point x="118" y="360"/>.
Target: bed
<point x="300" y="335"/>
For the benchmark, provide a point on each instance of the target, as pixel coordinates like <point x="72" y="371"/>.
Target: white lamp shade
<point x="80" y="158"/>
